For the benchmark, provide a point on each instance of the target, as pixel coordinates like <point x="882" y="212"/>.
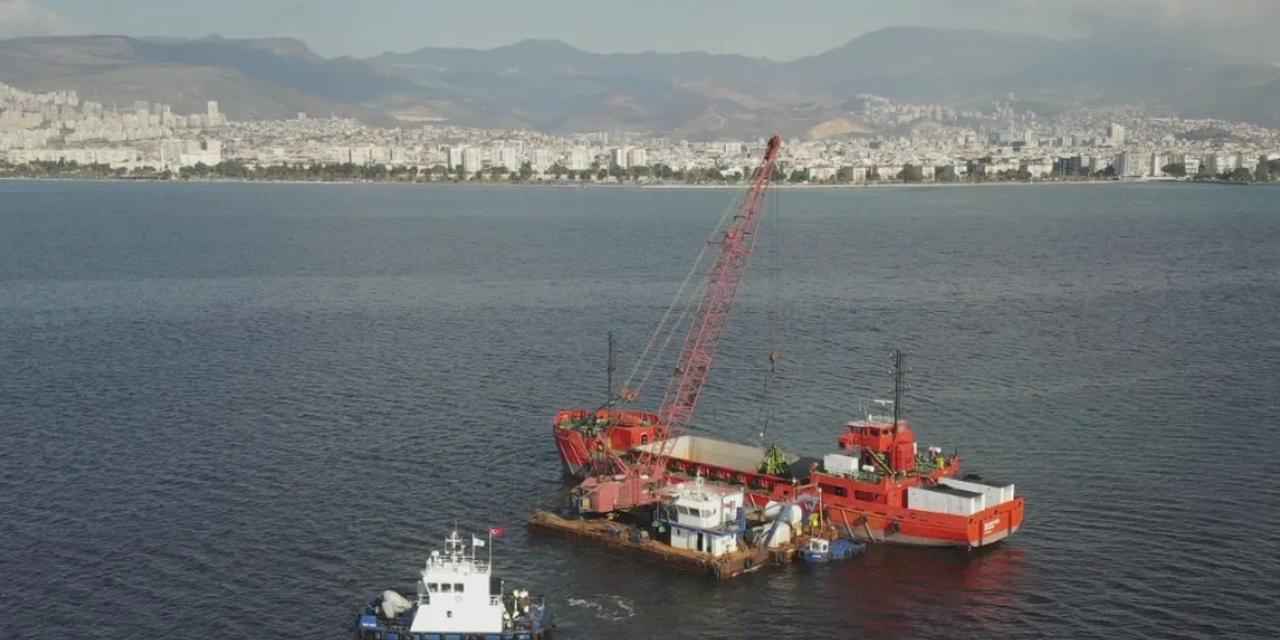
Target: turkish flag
<point x="496" y="531"/>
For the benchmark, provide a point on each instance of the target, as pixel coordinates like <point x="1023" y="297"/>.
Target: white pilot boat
<point x="458" y="598"/>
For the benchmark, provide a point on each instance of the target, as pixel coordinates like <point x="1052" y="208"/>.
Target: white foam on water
<point x="608" y="607"/>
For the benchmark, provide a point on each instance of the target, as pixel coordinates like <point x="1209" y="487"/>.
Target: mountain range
<point x="551" y="86"/>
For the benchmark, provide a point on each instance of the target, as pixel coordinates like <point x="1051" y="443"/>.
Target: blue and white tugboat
<point x="458" y="599"/>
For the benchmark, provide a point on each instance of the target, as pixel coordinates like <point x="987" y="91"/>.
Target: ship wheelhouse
<point x="455" y="593"/>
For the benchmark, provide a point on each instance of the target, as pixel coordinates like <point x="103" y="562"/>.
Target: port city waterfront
<point x="235" y="410"/>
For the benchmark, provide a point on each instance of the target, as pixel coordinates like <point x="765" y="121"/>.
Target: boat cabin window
<point x="433" y="587"/>
<point x="445" y="587"/>
<point x="457" y="587"/>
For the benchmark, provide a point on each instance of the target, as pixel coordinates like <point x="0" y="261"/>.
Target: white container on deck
<point x="956" y="502"/>
<point x="995" y="493"/>
<point x="719" y="453"/>
<point x="840" y="463"/>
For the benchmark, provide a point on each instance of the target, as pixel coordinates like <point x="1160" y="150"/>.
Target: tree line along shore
<point x="656" y="175"/>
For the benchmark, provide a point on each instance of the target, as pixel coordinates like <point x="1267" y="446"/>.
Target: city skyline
<point x="344" y="29"/>
<point x="944" y="145"/>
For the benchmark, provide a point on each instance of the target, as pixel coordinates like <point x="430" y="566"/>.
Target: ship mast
<point x="609" y="369"/>
<point x="897" y="386"/>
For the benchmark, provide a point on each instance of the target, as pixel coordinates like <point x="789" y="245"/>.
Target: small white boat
<point x="458" y="598"/>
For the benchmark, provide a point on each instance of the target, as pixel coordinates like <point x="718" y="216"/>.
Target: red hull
<point x="586" y="439"/>
<point x="881" y="523"/>
<point x="575" y="456"/>
<point x="874" y="511"/>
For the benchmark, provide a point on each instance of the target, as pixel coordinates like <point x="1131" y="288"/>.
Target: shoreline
<point x="662" y="186"/>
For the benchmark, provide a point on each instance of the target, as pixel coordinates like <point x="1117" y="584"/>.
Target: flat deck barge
<point x="625" y="537"/>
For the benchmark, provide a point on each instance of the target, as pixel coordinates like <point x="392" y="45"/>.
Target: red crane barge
<point x="878" y="487"/>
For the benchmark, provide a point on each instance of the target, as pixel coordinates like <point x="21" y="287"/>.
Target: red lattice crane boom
<point x="641" y="481"/>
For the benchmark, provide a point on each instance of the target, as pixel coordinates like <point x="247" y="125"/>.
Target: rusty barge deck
<point x="624" y="537"/>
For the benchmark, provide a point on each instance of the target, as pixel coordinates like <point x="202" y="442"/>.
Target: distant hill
<point x="266" y="78"/>
<point x="1171" y="73"/>
<point x="913" y="63"/>
<point x="549" y="85"/>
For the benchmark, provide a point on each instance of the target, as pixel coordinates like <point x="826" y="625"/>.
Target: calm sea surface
<point x="232" y="411"/>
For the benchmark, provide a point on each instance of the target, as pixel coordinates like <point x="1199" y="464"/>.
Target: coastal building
<point x="1070" y="166"/>
<point x="1132" y="164"/>
<point x="579" y="159"/>
<point x="637" y="157"/>
<point x="822" y="173"/>
<point x="1191" y="163"/>
<point x="1116" y="135"/>
<point x="114" y="157"/>
<point x="472" y="160"/>
<point x="1158" y="162"/>
<point x="1218" y="163"/>
<point x="618" y="158"/>
<point x="951" y="172"/>
<point x="213" y="115"/>
<point x="207" y="152"/>
<point x="453" y="157"/>
<point x="1038" y="168"/>
<point x="888" y="171"/>
<point x="541" y="159"/>
<point x="507" y="157"/>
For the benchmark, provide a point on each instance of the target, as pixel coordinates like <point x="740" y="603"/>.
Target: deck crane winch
<point x="640" y="483"/>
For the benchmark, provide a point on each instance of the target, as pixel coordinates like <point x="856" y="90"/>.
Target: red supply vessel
<point x="880" y="487"/>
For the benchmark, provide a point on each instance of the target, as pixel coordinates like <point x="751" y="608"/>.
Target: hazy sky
<point x="772" y="28"/>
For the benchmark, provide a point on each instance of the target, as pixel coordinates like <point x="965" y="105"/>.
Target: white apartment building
<point x="453" y="156"/>
<point x="507" y="157"/>
<point x="472" y="160"/>
<point x="1116" y="134"/>
<point x="637" y="157"/>
<point x="579" y="159"/>
<point x="541" y="159"/>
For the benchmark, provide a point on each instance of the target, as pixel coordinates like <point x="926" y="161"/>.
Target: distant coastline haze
<point x="759" y="28"/>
